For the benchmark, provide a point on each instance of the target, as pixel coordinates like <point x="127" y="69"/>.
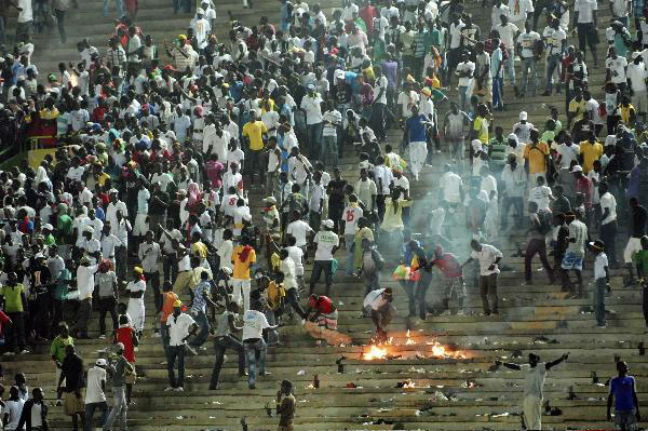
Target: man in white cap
<point x="201" y="27"/>
<point x="522" y="128"/>
<point x="95" y="396"/>
<point x="89" y="245"/>
<point x="327" y="243"/>
<point x="85" y="285"/>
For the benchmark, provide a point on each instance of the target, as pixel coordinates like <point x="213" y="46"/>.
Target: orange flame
<point x="409" y="384"/>
<point x="375" y="352"/>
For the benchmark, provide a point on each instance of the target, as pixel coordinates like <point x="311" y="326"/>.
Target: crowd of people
<point x="156" y="171"/>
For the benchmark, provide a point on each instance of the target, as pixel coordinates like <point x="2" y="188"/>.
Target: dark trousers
<point x="60" y="23"/>
<point x="645" y="304"/>
<point x="89" y="413"/>
<point x="320" y="266"/>
<point x="107" y="305"/>
<point x="254" y="164"/>
<point x="82" y="318"/>
<point x="536" y="246"/>
<point x="15" y="337"/>
<point x="293" y="300"/>
<point x="220" y="346"/>
<point x="587" y="36"/>
<point x="518" y="205"/>
<point x="42" y="320"/>
<point x="409" y="287"/>
<point x="154" y="278"/>
<point x="176" y="353"/>
<point x="184" y="4"/>
<point x="314" y="144"/>
<point x="169" y="267"/>
<point x="608" y="236"/>
<point x="488" y="289"/>
<point x="421" y="291"/>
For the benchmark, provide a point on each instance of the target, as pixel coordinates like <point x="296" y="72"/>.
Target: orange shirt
<point x="242" y="268"/>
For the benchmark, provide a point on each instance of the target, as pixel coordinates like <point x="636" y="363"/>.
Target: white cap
<point x="476" y="145"/>
<point x="200" y="11"/>
<point x="101" y="362"/>
<point x="88" y="229"/>
<point x="523" y="115"/>
<point x="328" y="223"/>
<point x="610" y="140"/>
<point x="577" y="168"/>
<point x="48" y="226"/>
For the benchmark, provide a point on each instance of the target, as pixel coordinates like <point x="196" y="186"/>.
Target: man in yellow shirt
<point x="243" y="257"/>
<point x="577" y="107"/>
<point x="590" y="151"/>
<point x="480" y="125"/>
<point x="536" y="154"/>
<point x="254" y="133"/>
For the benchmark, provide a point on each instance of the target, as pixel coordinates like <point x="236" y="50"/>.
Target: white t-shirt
<point x="296" y="254"/>
<point x="25" y="15"/>
<point x="455" y="34"/>
<point x="350" y="216"/>
<point x="541" y="195"/>
<point x="527" y="41"/>
<point x="179" y="328"/>
<point x="617" y="69"/>
<point x="486" y="258"/>
<point x="299" y="229"/>
<point x="600" y="263"/>
<point x="381" y="85"/>
<point x="637" y="75"/>
<point x="14" y="410"/>
<point x="555" y="38"/>
<point x="254" y="322"/>
<point x="451" y="184"/>
<point x="326" y="240"/>
<point x="313" y="108"/>
<point x="94" y="390"/>
<point x="466" y="67"/>
<point x="534" y="378"/>
<point x="608" y="201"/>
<point x="585" y="10"/>
<point x="567" y="154"/>
<point x="507" y="32"/>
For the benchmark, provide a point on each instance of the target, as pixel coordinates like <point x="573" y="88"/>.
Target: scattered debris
<point x="340" y="365"/>
<point x="544" y="340"/>
<point x="516" y="353"/>
<point x="571" y="395"/>
<point x="301" y="372"/>
<point x="406" y="384"/>
<point x="642" y="349"/>
<point x="595" y="378"/>
<point x="351" y="385"/>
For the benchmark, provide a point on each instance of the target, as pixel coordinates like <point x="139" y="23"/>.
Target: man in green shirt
<point x="14" y="302"/>
<point x="65" y="231"/>
<point x="57" y="350"/>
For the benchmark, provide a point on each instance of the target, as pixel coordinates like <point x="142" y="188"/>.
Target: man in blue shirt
<point x="416" y="133"/>
<point x="626" y="406"/>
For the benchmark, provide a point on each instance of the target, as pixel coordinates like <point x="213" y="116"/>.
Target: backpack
<point x="545" y="222"/>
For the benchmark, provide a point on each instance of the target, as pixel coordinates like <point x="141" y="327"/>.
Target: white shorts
<point x="141" y="225"/>
<point x="632" y="247"/>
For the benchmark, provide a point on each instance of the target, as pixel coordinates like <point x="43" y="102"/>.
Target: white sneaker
<point x="24" y="352"/>
<point x="102" y="337"/>
<point x="179" y="389"/>
<point x="169" y="389"/>
<point x="302" y="322"/>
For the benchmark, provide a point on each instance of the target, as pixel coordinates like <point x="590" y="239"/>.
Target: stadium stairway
<point x="412" y="389"/>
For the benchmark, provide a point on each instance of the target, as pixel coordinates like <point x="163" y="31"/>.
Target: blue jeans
<point x="89" y="413"/>
<point x="119" y="408"/>
<point x="203" y="326"/>
<point x="498" y="102"/>
<point x="119" y="4"/>
<point x="176" y="353"/>
<point x="529" y="65"/>
<point x="348" y="243"/>
<point x="510" y="65"/>
<point x="599" y="301"/>
<point x="184" y="4"/>
<point x="463" y="97"/>
<point x="255" y="351"/>
<point x="552" y="63"/>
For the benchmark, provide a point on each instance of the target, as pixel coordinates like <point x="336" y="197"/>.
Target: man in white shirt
<point x="85" y="285"/>
<point x="181" y="327"/>
<point x="378" y="305"/>
<point x="527" y="43"/>
<point x="95" y="396"/>
<point x="465" y="71"/>
<point x="615" y="66"/>
<point x="311" y="104"/>
<point x="254" y="323"/>
<point x="512" y="187"/>
<point x="488" y="258"/>
<point x="555" y="39"/>
<point x="609" y="225"/>
<point x="534" y="378"/>
<point x="350" y="216"/>
<point x="585" y="23"/>
<point x="508" y="34"/>
<point x="25" y="21"/>
<point x="637" y="75"/>
<point x="327" y="244"/>
<point x="332" y="121"/>
<point x="519" y="10"/>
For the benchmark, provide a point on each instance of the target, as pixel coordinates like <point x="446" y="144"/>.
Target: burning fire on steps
<point x="407" y="347"/>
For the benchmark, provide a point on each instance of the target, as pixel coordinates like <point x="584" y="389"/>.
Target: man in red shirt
<point x="126" y="335"/>
<point x="326" y="313"/>
<point x="453" y="285"/>
<point x="584" y="188"/>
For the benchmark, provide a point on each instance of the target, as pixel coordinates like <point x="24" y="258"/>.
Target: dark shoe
<point x="213" y="388"/>
<point x="251" y="386"/>
<point x="546" y="93"/>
